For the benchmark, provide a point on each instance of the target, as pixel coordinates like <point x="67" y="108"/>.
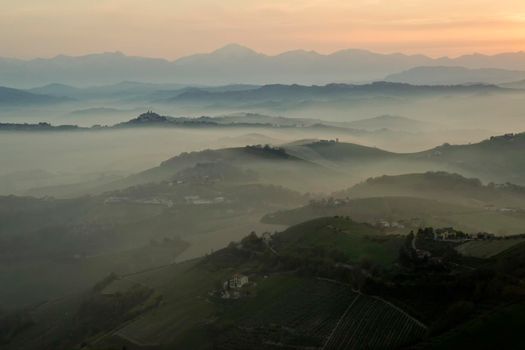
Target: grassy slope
<point x="356" y="241"/>
<point x="185" y="306"/>
<point x="501" y="329"/>
<point x="499" y="159"/>
<point x="272" y="166"/>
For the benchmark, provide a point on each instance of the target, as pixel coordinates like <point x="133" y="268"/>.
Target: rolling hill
<point x="391" y="122"/>
<point x="441" y="186"/>
<point x="16" y="98"/>
<point x="399" y="214"/>
<point x="515" y="84"/>
<point x="124" y="230"/>
<point x="58" y="90"/>
<point x="329" y="165"/>
<point x="497" y="159"/>
<point x="328" y="283"/>
<point x="273" y="165"/>
<point x="178" y="304"/>
<point x="296" y="93"/>
<point x="409" y="201"/>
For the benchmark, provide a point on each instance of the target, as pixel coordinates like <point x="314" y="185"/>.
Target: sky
<point x="175" y="28"/>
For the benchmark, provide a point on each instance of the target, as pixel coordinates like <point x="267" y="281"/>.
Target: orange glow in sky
<point x="174" y="28"/>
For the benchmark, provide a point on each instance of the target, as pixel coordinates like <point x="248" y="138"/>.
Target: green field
<point x="354" y="240"/>
<point x="185" y="305"/>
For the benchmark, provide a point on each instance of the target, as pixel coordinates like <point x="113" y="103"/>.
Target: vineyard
<point x="371" y="323"/>
<point x="304" y="315"/>
<point x="322" y="315"/>
<point x="486" y="249"/>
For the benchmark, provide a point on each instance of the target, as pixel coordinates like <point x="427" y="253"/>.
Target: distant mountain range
<point x="286" y="95"/>
<point x="236" y="64"/>
<point x="455" y="76"/>
<point x="228" y="96"/>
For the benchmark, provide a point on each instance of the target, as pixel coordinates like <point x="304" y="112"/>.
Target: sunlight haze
<point x="171" y="29"/>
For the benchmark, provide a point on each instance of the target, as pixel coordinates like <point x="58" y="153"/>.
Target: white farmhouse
<point x="237" y="281"/>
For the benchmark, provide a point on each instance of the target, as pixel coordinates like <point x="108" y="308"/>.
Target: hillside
<point x="399" y="214"/>
<point x="392" y="122"/>
<point x="323" y="165"/>
<point x="498" y="159"/>
<point x="441" y="186"/>
<point x="339" y="151"/>
<point x="338" y="236"/>
<point x="55" y="89"/>
<point x="16" y="98"/>
<point x="282" y="307"/>
<point x="40" y="127"/>
<point x="122" y="231"/>
<point x="329" y="283"/>
<point x="515" y="85"/>
<point x="272" y="165"/>
<point x="294" y="93"/>
<point x="343" y="164"/>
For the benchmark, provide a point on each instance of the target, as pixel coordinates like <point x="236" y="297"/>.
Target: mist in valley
<point x="236" y="199"/>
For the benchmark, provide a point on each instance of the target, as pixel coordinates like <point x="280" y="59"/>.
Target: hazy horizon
<point x="269" y="54"/>
<point x="172" y="30"/>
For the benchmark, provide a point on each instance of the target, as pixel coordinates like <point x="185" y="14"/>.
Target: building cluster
<point x="329" y="202"/>
<point x="336" y="140"/>
<point x="233" y="288"/>
<point x="452" y="235"/>
<point x="507" y="137"/>
<point x="150" y="201"/>
<point x="197" y="200"/>
<point x="390" y="224"/>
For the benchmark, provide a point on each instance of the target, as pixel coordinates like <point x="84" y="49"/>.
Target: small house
<point x="237" y="281"/>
